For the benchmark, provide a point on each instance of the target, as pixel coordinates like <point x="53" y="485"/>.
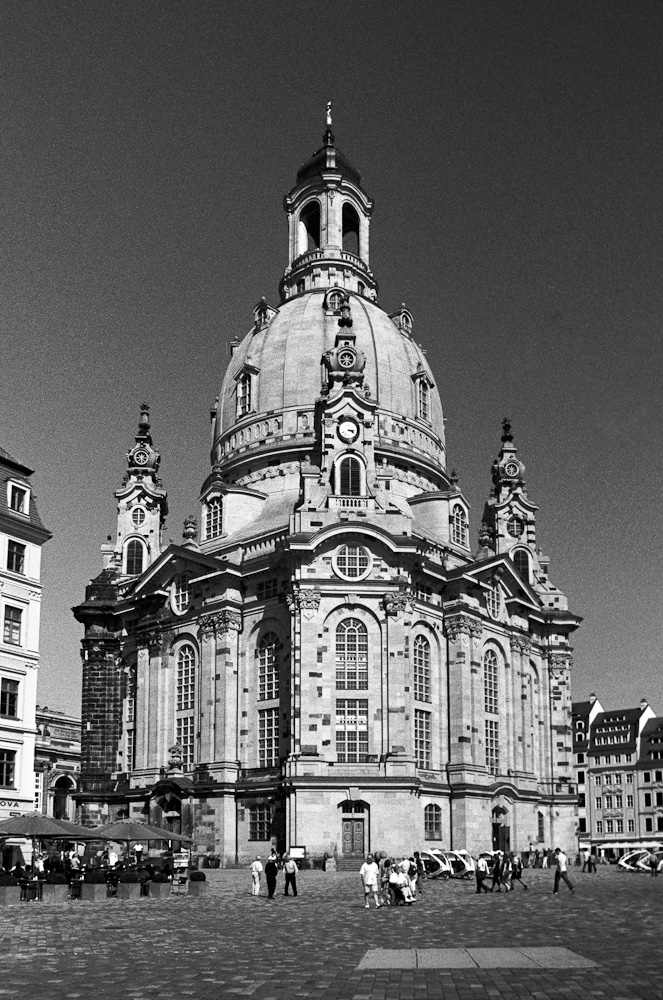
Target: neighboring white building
<point x="22" y="535"/>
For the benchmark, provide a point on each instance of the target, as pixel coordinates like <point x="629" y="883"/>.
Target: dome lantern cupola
<point x="328" y="226"/>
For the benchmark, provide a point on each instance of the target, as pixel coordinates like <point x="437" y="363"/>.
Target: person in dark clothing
<point x="271" y="871"/>
<point x="421" y="872"/>
<point x="290" y="869"/>
<point x="496" y="871"/>
<point x="517" y="871"/>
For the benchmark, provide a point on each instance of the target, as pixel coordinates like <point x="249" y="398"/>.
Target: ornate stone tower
<point x="329" y="666"/>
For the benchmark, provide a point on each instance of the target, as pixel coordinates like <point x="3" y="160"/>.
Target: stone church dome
<point x="269" y="402"/>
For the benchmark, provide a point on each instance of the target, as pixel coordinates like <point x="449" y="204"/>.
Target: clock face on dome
<point x="512" y="469"/>
<point x="141" y="457"/>
<point x="348" y="429"/>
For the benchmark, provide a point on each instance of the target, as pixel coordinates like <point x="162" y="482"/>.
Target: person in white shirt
<point x="256" y="870"/>
<point x="482" y="874"/>
<point x="560" y="871"/>
<point x="370" y="876"/>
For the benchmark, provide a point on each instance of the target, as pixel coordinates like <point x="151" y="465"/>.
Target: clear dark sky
<point x="514" y="152"/>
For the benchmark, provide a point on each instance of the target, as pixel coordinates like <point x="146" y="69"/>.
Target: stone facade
<point x="57" y="762"/>
<point x="329" y="665"/>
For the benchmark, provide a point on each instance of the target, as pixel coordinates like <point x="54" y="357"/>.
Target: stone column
<point x="220" y="634"/>
<point x="462" y="631"/>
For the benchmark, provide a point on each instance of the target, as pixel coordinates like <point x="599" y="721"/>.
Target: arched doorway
<point x="501" y="838"/>
<point x="61" y="797"/>
<point x="354" y="828"/>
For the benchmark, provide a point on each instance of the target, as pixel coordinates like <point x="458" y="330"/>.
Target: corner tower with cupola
<point x="328" y="666"/>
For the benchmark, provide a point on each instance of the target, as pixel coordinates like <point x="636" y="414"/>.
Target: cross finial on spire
<point x="329" y="116"/>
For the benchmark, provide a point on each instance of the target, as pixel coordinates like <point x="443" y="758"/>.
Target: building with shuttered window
<point x="330" y="662"/>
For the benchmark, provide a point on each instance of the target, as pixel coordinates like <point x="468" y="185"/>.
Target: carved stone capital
<point x="303" y="598"/>
<point x="560" y="661"/>
<point x="397" y="602"/>
<point x="227" y="620"/>
<point x="456" y="625"/>
<point x="520" y="644"/>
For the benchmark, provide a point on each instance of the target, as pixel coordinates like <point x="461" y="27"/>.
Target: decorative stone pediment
<point x="397" y="603"/>
<point x="304" y="598"/>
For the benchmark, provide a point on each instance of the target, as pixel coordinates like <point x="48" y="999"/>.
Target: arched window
<point x="184" y="703"/>
<point x="214" y="518"/>
<point x="490" y="681"/>
<point x="351" y="655"/>
<point x="349" y="477"/>
<point x="423" y="399"/>
<point x="63" y="789"/>
<point x="458" y="526"/>
<point x="186" y="677"/>
<point x="350" y="222"/>
<point x="268" y="679"/>
<point x="521" y="562"/>
<point x="494" y="601"/>
<point x="309" y="227"/>
<point x="135" y="552"/>
<point x="334" y="301"/>
<point x="432" y="822"/>
<point x="421" y="661"/>
<point x="244" y="394"/>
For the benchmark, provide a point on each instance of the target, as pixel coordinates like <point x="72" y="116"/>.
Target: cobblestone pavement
<point x="231" y="944"/>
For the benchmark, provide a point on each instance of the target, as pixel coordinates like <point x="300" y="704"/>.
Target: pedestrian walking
<point x="506" y="873"/>
<point x="496" y="871"/>
<point x="653" y="862"/>
<point x="421" y="872"/>
<point x="256" y="871"/>
<point x="517" y="871"/>
<point x="588" y="862"/>
<point x="482" y="874"/>
<point x="560" y="871"/>
<point x="370" y="875"/>
<point x="290" y="869"/>
<point x="271" y="871"/>
<point x="545" y="859"/>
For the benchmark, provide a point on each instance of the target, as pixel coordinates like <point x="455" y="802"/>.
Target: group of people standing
<point x="388" y="879"/>
<point x="273" y="865"/>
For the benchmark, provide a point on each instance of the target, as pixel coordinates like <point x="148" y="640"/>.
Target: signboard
<point x="181" y="859"/>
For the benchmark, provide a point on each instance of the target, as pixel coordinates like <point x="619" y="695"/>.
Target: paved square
<point x="231" y="944"/>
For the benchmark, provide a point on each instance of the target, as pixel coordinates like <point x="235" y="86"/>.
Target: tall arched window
<point x="490" y="681"/>
<point x="135" y="552"/>
<point x="184" y="703"/>
<point x="309" y="227"/>
<point x="421" y="661"/>
<point x="214" y="518"/>
<point x="432" y="822"/>
<point x="521" y="562"/>
<point x="349" y="477"/>
<point x="351" y="655"/>
<point x="268" y="679"/>
<point x="350" y="222"/>
<point x="244" y="394"/>
<point x="458" y="526"/>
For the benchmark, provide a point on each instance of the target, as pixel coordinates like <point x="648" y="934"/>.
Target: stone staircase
<point x="349" y="864"/>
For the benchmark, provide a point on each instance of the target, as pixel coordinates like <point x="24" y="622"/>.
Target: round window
<point x="352" y="562"/>
<point x="138" y="516"/>
<point x="346" y="358"/>
<point x="515" y="526"/>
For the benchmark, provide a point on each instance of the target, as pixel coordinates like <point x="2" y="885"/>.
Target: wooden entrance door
<point x="353" y="837"/>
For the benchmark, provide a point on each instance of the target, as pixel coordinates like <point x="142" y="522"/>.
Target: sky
<point x="513" y="150"/>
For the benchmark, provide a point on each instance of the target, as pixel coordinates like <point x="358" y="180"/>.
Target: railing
<point x="335" y="502"/>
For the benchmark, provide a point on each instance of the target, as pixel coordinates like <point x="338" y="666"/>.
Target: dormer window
<point x="18" y="499"/>
<point x="422" y="388"/>
<point x="214" y="518"/>
<point x="458" y="526"/>
<point x="334" y="301"/>
<point x="244" y="394"/>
